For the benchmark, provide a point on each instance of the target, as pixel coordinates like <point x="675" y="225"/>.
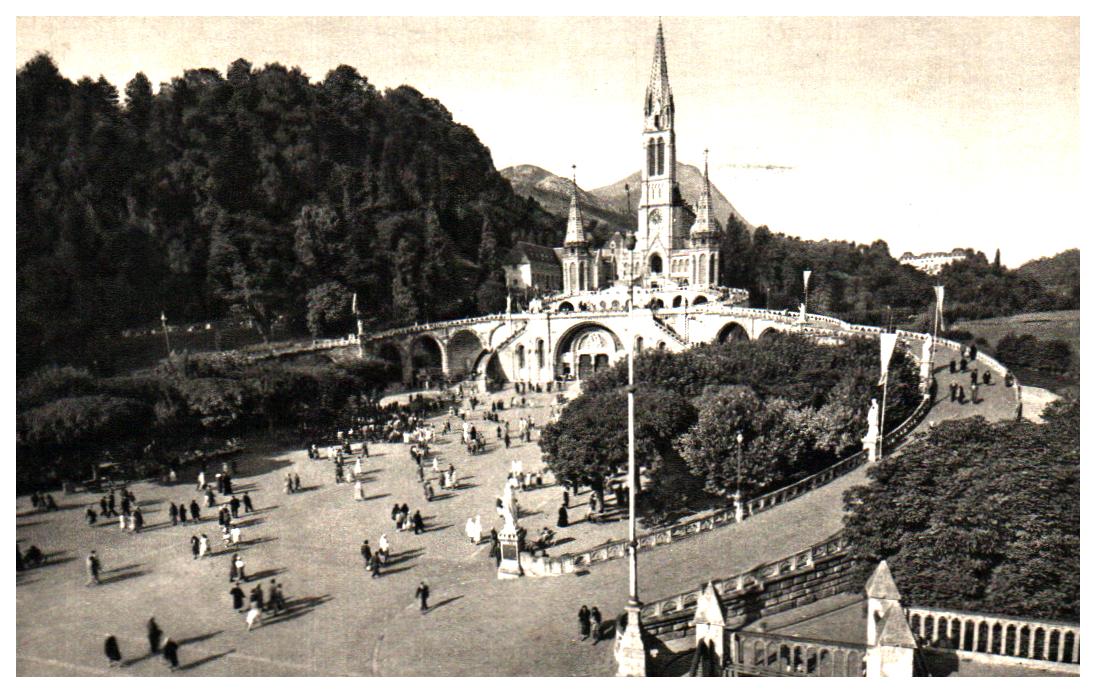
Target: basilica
<point x="676" y="257"/>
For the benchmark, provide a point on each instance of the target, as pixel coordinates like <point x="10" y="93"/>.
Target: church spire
<point x="658" y="88"/>
<point x="575" y="234"/>
<point x="704" y="226"/>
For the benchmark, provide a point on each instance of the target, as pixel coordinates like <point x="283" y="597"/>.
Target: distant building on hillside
<point x="532" y="267"/>
<point x="932" y="263"/>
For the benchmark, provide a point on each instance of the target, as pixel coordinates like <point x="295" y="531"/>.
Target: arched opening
<point x="732" y="332"/>
<point x="1038" y="643"/>
<point x="656" y="303"/>
<point x="426" y="354"/>
<point x="520" y="351"/>
<point x="656" y="264"/>
<point x="661" y="157"/>
<point x="464" y="349"/>
<point x="585" y="349"/>
<point x="700" y="300"/>
<point x="651" y="170"/>
<point x="769" y="333"/>
<point x="982" y="643"/>
<point x="494" y="371"/>
<point x="998" y="639"/>
<point x="713" y="270"/>
<point x="677" y="301"/>
<point x="639" y="344"/>
<point x="540" y="353"/>
<point x="661" y="346"/>
<point x="390" y="353"/>
<point x="566" y="307"/>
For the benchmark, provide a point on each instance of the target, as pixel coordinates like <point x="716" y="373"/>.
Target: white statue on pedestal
<point x="509" y="509"/>
<point x="873" y="420"/>
<point x="803" y="313"/>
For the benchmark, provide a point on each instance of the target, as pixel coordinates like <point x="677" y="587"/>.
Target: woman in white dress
<point x="203" y="546"/>
<point x="477" y="530"/>
<point x="359" y="491"/>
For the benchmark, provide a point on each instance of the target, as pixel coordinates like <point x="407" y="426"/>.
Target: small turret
<point x="576" y="237"/>
<point x="705" y="228"/>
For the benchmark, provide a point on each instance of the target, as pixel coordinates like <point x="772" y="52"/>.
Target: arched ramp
<point x="732" y="332"/>
<point x="464" y="349"/>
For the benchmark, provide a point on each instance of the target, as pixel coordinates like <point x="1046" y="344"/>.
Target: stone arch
<point x="390" y="352"/>
<point x="427" y="353"/>
<point x="520" y="352"/>
<point x="732" y="332"/>
<point x="579" y="348"/>
<point x="493" y="370"/>
<point x="655" y="263"/>
<point x="566" y="307"/>
<point x="464" y="349"/>
<point x="768" y="333"/>
<point x="700" y="300"/>
<point x="656" y="303"/>
<point x="677" y="301"/>
<point x="615" y="305"/>
<point x="540" y="354"/>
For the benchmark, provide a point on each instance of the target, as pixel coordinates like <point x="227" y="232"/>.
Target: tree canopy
<point x="979" y="516"/>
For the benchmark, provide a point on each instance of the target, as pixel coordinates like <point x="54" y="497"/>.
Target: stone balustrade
<point x="765" y="654"/>
<point x="1007" y="636"/>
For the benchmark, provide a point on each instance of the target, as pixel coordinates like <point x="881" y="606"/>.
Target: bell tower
<point x="659" y="173"/>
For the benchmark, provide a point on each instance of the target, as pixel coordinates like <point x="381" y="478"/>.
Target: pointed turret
<point x="705" y="226"/>
<point x="576" y="236"/>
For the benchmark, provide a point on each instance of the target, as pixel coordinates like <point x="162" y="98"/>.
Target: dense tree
<point x="979" y="516"/>
<point x="237" y="195"/>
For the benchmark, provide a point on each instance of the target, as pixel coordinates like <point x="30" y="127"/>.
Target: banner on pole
<point x="354" y="303"/>
<point x="806" y="279"/>
<point x="163" y="318"/>
<point x="939" y="299"/>
<point x="887" y="340"/>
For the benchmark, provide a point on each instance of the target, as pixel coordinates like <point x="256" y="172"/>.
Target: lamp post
<point x="631" y="654"/>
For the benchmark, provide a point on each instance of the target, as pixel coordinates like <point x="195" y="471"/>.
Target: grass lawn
<point x="1058" y="324"/>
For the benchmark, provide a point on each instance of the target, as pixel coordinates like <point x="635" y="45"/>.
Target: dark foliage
<point x="979" y="516"/>
<point x="256" y="194"/>
<point x="1028" y="351"/>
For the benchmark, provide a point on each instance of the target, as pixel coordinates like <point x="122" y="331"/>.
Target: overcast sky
<point x="927" y="133"/>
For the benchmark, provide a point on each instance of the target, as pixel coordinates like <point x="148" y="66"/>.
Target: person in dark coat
<point x="228" y="485"/>
<point x="974" y="377"/>
<point x="584" y="622"/>
<point x="237" y="596"/>
<point x="194" y="545"/>
<point x="195" y="511"/>
<point x="234" y="503"/>
<point x="561" y="519"/>
<point x="985" y="377"/>
<point x="171" y="654"/>
<point x="423" y="593"/>
<point x="417" y="523"/>
<point x="374" y="566"/>
<point x="963" y="365"/>
<point x="173" y="513"/>
<point x="973" y="352"/>
<point x="367" y="553"/>
<point x="110" y="649"/>
<point x="90" y="515"/>
<point x="248" y="507"/>
<point x="296" y="482"/>
<point x="595" y="624"/>
<point x="154" y="634"/>
<point x="138" y="520"/>
<point x="182" y="513"/>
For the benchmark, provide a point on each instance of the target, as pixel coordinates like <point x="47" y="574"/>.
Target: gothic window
<point x="540" y="353"/>
<point x="656" y="264"/>
<point x="661" y="157"/>
<point x="521" y="356"/>
<point x="651" y="158"/>
<point x="713" y="277"/>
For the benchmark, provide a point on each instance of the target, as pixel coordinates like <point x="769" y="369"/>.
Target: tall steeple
<point x="659" y="94"/>
<point x="576" y="236"/>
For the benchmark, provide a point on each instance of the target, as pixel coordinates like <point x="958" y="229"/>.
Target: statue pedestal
<point x="871" y="444"/>
<point x="630" y="653"/>
<point x="510" y="563"/>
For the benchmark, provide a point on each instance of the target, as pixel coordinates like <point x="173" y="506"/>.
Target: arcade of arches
<point x="463" y="349"/>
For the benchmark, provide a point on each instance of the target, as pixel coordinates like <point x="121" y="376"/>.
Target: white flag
<point x="939" y="299"/>
<point x="163" y="318"/>
<point x="806" y="279"/>
<point x="887" y="340"/>
<point x="354" y="303"/>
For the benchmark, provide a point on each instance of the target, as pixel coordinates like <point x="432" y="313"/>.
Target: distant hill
<point x="554" y="195"/>
<point x="1059" y="274"/>
<point x="689" y="178"/>
<point x="608" y="205"/>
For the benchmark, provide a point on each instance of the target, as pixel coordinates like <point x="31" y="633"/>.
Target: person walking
<point x="238" y="564"/>
<point x="234" y="504"/>
<point x="383" y="548"/>
<point x="182" y="513"/>
<point x="195" y="511"/>
<point x="93" y="567"/>
<point x="417" y="523"/>
<point x="138" y="520"/>
<point x="254" y="615"/>
<point x="561" y="516"/>
<point x="194" y="542"/>
<point x="359" y="490"/>
<point x="584" y="622"/>
<point x="171" y="654"/>
<point x="111" y="650"/>
<point x="423" y="593"/>
<point x="375" y="566"/>
<point x="234" y="533"/>
<point x="248" y="507"/>
<point x="154" y="634"/>
<point x="203" y="546"/>
<point x="367" y="553"/>
<point x="173" y="513"/>
<point x="237" y="595"/>
<point x="288" y="484"/>
<point x="296" y="482"/>
<point x="595" y="624"/>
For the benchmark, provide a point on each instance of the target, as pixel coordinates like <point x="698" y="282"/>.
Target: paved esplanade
<point x="345" y="623"/>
